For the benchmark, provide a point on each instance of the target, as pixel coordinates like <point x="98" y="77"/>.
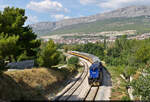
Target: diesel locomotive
<point x="95" y="70"/>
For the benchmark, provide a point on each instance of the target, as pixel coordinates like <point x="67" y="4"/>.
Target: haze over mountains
<point x="47" y="28"/>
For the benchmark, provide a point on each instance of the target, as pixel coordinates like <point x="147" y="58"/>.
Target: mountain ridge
<point x="126" y="12"/>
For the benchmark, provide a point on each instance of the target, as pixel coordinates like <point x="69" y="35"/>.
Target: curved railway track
<point x="79" y="89"/>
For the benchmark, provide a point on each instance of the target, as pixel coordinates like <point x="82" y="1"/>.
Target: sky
<point x="55" y="10"/>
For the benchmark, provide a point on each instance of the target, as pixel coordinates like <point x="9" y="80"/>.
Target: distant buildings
<point x="93" y="38"/>
<point x="141" y="37"/>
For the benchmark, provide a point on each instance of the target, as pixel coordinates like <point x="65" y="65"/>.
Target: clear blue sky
<point x="55" y="10"/>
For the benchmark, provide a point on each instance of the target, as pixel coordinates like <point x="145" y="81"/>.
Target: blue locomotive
<point x="95" y="71"/>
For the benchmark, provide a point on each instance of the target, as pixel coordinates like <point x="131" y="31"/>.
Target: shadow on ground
<point x="106" y="78"/>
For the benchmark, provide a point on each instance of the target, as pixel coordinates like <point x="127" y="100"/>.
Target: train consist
<point x="95" y="70"/>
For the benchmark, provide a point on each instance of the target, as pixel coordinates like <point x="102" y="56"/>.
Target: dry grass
<point x="35" y="77"/>
<point x="30" y="84"/>
<point x="137" y="74"/>
<point x="119" y="90"/>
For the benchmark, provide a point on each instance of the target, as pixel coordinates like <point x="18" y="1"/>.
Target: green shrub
<point x="48" y="55"/>
<point x="128" y="71"/>
<point x="62" y="59"/>
<point x="73" y="61"/>
<point x="72" y="68"/>
<point x="141" y="85"/>
<point x="125" y="98"/>
<point x="143" y="54"/>
<point x="24" y="56"/>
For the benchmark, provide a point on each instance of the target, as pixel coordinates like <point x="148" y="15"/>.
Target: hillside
<point x="99" y="22"/>
<point x="141" y="24"/>
<point x="29" y="84"/>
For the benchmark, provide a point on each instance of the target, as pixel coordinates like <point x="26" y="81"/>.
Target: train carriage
<point x="95" y="70"/>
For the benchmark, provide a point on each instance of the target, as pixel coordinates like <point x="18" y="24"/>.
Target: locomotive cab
<point x="95" y="77"/>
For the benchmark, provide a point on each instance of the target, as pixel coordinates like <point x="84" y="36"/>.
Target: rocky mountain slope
<point x="45" y="28"/>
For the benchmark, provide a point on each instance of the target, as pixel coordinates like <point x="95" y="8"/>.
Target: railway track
<point x="79" y="89"/>
<point x="73" y="86"/>
<point x="91" y="95"/>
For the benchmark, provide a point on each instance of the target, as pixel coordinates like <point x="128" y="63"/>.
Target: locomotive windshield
<point x="94" y="66"/>
<point x="94" y="69"/>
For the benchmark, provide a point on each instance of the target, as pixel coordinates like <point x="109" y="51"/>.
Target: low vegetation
<point x="141" y="84"/>
<point x="30" y="84"/>
<point x="119" y="91"/>
<point x="35" y="83"/>
<point x="73" y="63"/>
